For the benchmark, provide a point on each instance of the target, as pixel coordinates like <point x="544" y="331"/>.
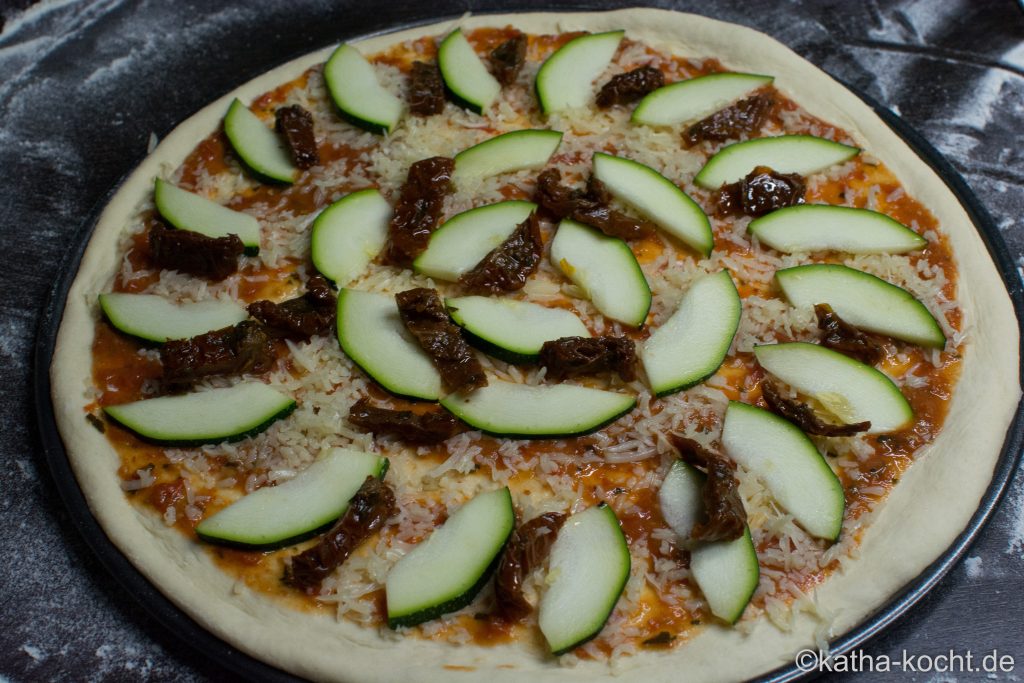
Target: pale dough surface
<point x="925" y="512"/>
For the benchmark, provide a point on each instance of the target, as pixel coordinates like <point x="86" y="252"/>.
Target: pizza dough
<point x="920" y="518"/>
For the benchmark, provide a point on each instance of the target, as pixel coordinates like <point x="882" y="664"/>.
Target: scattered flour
<point x="15" y="337"/>
<point x="978" y="112"/>
<point x="33" y="652"/>
<point x="913" y="21"/>
<point x="39" y="31"/>
<point x="916" y="23"/>
<point x="972" y="565"/>
<point x="119" y="65"/>
<point x="141" y="44"/>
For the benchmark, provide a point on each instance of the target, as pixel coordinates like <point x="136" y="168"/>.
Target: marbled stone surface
<point x="84" y="84"/>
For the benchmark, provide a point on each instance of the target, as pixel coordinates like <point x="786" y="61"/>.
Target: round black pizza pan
<point x="175" y="621"/>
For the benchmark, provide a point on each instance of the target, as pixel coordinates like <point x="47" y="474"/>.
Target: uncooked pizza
<point x="555" y="344"/>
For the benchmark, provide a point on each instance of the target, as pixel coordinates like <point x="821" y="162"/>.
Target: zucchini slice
<point x="446" y="571"/>
<point x="786" y="461"/>
<point x="566" y="78"/>
<point x="547" y="410"/>
<point x="349" y="233"/>
<point x="691" y="345"/>
<point x="204" y="417"/>
<point x="189" y="211"/>
<point x="727" y="574"/>
<point x="725" y="571"/>
<point x="281" y="515"/>
<point x="510" y="329"/>
<point x="605" y="268"/>
<point x="681" y="500"/>
<point x="850" y="390"/>
<point x="156" y="319"/>
<point x="694" y="99"/>
<point x="372" y="334"/>
<point x="803" y="154"/>
<point x="466" y="238"/>
<point x="515" y="151"/>
<point x="464" y="74"/>
<point x="823" y="227"/>
<point x="863" y="300"/>
<point x="357" y="92"/>
<point x="657" y="199"/>
<point x="258" y="146"/>
<point x="588" y="568"/>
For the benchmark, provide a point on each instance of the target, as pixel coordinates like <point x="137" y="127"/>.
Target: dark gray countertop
<point x="82" y="87"/>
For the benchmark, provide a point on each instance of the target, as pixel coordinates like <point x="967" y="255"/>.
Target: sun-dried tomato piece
<point x="725" y="518"/>
<point x="508" y="266"/>
<point x="630" y="86"/>
<point x="213" y="258"/>
<point x="418" y="209"/>
<point x="508" y="58"/>
<point x="598" y="191"/>
<point x="426" y="318"/>
<point x="590" y="206"/>
<point x="422" y="428"/>
<point x="295" y="124"/>
<point x="743" y="118"/>
<point x="558" y="199"/>
<point x="803" y="416"/>
<point x="762" y="191"/>
<point x="367" y="512"/>
<point x="527" y="549"/>
<point x="574" y="356"/>
<point x="613" y="223"/>
<point x="302" y="317"/>
<point x="843" y="337"/>
<point x="426" y="89"/>
<point x="244" y="347"/>
<point x="609" y="221"/>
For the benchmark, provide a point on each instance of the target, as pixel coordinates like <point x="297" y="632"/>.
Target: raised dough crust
<point x="923" y="515"/>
